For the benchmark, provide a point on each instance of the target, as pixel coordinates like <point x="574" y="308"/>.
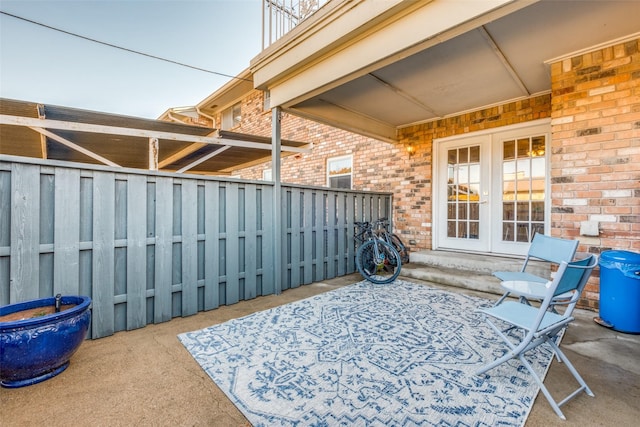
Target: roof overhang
<point x="229" y="94"/>
<point x="62" y="133"/>
<point x="376" y="68"/>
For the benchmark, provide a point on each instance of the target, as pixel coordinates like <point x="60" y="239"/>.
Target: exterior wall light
<point x="411" y="150"/>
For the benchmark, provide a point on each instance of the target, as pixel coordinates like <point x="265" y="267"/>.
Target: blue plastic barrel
<point x="620" y="290"/>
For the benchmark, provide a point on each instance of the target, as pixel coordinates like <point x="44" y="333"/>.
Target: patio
<point x="146" y="377"/>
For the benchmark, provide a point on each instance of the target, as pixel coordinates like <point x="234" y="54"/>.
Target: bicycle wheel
<point x="400" y="247"/>
<point x="378" y="262"/>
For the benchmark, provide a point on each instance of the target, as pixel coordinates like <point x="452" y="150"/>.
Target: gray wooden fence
<point x="149" y="246"/>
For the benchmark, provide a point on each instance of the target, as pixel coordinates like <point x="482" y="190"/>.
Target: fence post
<point x="277" y="198"/>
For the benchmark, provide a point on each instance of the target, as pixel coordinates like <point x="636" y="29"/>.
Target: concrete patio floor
<point x="146" y="377"/>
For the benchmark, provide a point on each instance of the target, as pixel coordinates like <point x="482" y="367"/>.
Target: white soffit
<point x="365" y="49"/>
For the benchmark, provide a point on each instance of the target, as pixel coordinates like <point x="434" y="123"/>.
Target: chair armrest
<point x="519" y="275"/>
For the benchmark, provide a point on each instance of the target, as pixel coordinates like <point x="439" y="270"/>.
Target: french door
<point x="491" y="190"/>
<point x="464" y="188"/>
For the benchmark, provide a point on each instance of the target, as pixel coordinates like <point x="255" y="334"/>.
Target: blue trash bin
<point x="620" y="291"/>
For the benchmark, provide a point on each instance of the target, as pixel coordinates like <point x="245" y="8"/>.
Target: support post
<point x="153" y="154"/>
<point x="43" y="138"/>
<point x="277" y="198"/>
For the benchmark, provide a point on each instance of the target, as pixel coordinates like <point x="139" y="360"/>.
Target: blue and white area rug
<point x="368" y="355"/>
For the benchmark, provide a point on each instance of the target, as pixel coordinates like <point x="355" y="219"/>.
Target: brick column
<point x="595" y="156"/>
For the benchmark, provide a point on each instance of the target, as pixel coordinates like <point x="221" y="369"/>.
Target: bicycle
<point x="377" y="260"/>
<point x="380" y="226"/>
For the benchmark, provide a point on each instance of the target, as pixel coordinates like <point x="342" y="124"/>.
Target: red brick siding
<point x="595" y="163"/>
<point x="310" y="169"/>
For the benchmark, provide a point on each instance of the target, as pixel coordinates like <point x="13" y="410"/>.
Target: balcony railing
<point x="281" y="16"/>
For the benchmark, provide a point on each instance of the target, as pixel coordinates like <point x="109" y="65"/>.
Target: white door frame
<point x="482" y="242"/>
<point x="493" y="208"/>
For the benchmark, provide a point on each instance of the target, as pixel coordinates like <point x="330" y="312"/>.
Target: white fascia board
<point x="318" y="33"/>
<point x="236" y="88"/>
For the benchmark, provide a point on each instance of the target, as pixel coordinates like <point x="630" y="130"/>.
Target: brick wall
<point x="595" y="163"/>
<point x="310" y="169"/>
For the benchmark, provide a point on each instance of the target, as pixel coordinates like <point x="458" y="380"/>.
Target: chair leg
<point x="556" y="340"/>
<point x="511" y="353"/>
<point x="543" y="388"/>
<point x="572" y="369"/>
<point x="502" y="298"/>
<point x="583" y="385"/>
<point x="523" y="300"/>
<point x="507" y="356"/>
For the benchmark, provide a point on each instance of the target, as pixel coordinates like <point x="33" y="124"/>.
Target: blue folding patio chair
<point x="540" y="326"/>
<point x="545" y="248"/>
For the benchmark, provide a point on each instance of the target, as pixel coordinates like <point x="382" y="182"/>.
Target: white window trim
<point x="338" y="158"/>
<point x="228" y="119"/>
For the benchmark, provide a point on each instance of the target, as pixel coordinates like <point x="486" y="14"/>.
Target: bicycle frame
<point x="377" y="259"/>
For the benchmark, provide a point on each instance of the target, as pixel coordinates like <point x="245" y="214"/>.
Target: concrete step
<point x="465" y="270"/>
<point x="451" y="277"/>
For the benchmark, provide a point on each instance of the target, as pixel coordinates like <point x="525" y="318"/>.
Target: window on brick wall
<point x="231" y="117"/>
<point x="267" y="175"/>
<point x="339" y="171"/>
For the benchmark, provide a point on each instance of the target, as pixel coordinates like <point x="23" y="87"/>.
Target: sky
<point x="38" y="64"/>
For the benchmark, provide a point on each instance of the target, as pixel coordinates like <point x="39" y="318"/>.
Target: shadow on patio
<point x="146" y="377"/>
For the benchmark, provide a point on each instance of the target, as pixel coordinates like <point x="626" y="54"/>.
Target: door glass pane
<point x="462" y="211"/>
<point x="451" y="211"/>
<point x="474" y="154"/>
<point x="523" y="188"/>
<point x="453" y="157"/>
<point x="507" y="231"/>
<point x="509" y="150"/>
<point x="538" y="146"/>
<point x="474" y="229"/>
<point x="537" y="228"/>
<point x="537" y="211"/>
<point x="523" y="170"/>
<point x="474" y="175"/>
<point x="463" y="192"/>
<point x="451" y="229"/>
<point x="463" y="155"/>
<point x="508" y="211"/>
<point x="522" y="213"/>
<point x="463" y="176"/>
<point x="538" y="167"/>
<point x="474" y="211"/>
<point x="523" y="232"/>
<point x="524" y="146"/>
<point x="462" y="230"/>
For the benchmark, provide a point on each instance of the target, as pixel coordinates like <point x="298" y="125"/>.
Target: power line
<point x="121" y="48"/>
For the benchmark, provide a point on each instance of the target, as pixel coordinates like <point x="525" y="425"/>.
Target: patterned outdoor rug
<point x="367" y="355"/>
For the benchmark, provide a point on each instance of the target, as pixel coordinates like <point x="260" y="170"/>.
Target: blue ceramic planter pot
<point x="38" y="348"/>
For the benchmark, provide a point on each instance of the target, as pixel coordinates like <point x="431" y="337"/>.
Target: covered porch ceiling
<point x="62" y="133"/>
<point x="377" y="67"/>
